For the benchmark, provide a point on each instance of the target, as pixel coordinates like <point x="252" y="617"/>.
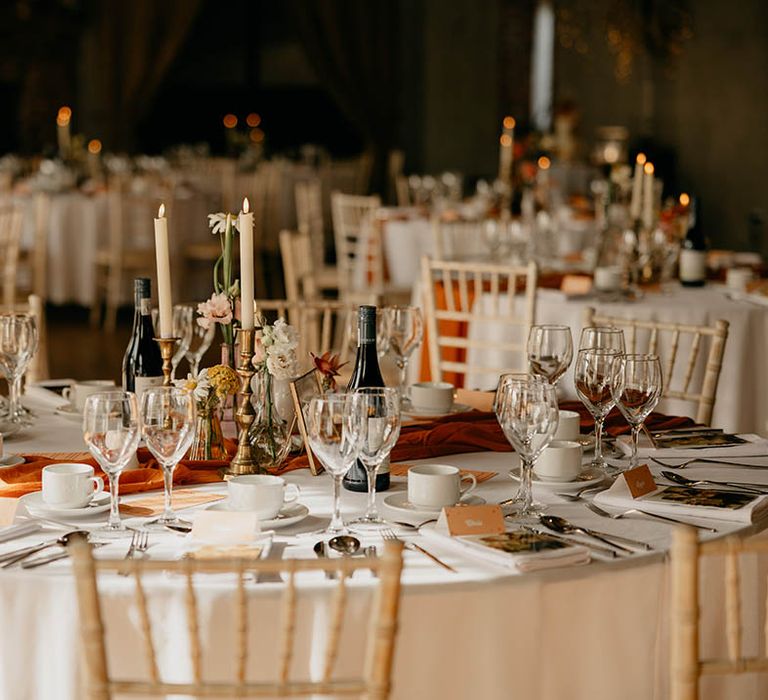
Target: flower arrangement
<point x="328" y="366"/>
<point x="279" y="343"/>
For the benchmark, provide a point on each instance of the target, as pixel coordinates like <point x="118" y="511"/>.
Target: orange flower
<point x="328" y="365"/>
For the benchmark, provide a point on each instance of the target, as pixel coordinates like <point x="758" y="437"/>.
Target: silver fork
<point x="139" y="544"/>
<point x="388" y="535"/>
<point x="632" y="511"/>
<point x="705" y="460"/>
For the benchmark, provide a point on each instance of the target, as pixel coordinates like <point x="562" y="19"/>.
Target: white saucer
<point x="11" y="461"/>
<point x="588" y="477"/>
<point x="35" y="505"/>
<point x="291" y="514"/>
<point x="399" y="502"/>
<point x="69" y="411"/>
<point x="423" y="415"/>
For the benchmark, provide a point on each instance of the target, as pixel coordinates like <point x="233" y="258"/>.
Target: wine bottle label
<point x="693" y="265"/>
<point x="146" y="307"/>
<point x="141" y="384"/>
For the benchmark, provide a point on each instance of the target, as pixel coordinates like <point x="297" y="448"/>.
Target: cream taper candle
<point x="246" y="267"/>
<point x="648" y="195"/>
<point x="163" y="274"/>
<point x="637" y="188"/>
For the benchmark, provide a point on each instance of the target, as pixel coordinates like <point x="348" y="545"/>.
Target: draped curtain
<point x="353" y="46"/>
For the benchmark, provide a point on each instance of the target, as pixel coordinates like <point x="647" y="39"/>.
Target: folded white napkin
<point x="755" y="446"/>
<point x="619" y="497"/>
<point x="525" y="563"/>
<point x="21" y="530"/>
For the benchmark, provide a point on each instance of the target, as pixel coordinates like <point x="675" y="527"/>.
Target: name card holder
<point x="639" y="481"/>
<point x="472" y="520"/>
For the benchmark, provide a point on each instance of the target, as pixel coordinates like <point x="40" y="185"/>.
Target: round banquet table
<point x="594" y="631"/>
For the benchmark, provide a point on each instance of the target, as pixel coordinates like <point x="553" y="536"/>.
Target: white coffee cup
<point x="78" y="392"/>
<point x="737" y="278"/>
<point x="431" y="396"/>
<point x="262" y="494"/>
<point x="561" y="461"/>
<point x="438" y="485"/>
<point x="568" y="426"/>
<point x="607" y="279"/>
<point x="70" y="485"/>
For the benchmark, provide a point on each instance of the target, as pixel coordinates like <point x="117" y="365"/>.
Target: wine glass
<point x="636" y="386"/>
<point x="168" y="417"/>
<point x="18" y="343"/>
<point x="550" y="351"/>
<point x="405" y="329"/>
<point x="183" y="320"/>
<point x="607" y="337"/>
<point x="111" y="429"/>
<point x="199" y="342"/>
<point x="526" y="408"/>
<point x="333" y="428"/>
<point x="593" y="378"/>
<point x="379" y="409"/>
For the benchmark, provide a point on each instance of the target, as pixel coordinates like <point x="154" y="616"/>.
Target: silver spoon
<point x="344" y="544"/>
<point x="319" y="550"/>
<point x="401" y="523"/>
<point x="561" y="525"/>
<point x="61" y="541"/>
<point x="745" y="488"/>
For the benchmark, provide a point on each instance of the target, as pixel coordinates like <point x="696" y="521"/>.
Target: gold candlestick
<point x="167" y="348"/>
<point x="243" y="461"/>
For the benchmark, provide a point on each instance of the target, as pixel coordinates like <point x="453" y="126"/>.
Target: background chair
<point x="11" y="220"/>
<point x="373" y="682"/>
<point x="457" y="294"/>
<point x="309" y="217"/>
<point x="687" y="667"/>
<point x="646" y="337"/>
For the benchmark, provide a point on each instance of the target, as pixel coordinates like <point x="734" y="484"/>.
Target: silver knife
<point x="48" y="558"/>
<point x="275" y="552"/>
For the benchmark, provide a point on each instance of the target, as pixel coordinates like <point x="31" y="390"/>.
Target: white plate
<point x="290" y="514"/>
<point x="69" y="411"/>
<point x="35" y="505"/>
<point x="422" y="415"/>
<point x="399" y="502"/>
<point x="588" y="477"/>
<point x="11" y="461"/>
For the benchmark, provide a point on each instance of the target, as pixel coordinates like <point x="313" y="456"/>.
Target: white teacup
<point x="607" y="279"/>
<point x="437" y="485"/>
<point x="561" y="461"/>
<point x="70" y="485"/>
<point x="737" y="278"/>
<point x="78" y="392"/>
<point x="436" y="397"/>
<point x="262" y="494"/>
<point x="569" y="426"/>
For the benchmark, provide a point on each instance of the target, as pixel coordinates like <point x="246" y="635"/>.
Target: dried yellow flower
<point x="224" y="380"/>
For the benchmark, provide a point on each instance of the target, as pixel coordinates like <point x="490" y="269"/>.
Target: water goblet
<point x="111" y="429"/>
<point x="379" y="411"/>
<point x="636" y="387"/>
<point x="168" y="418"/>
<point x="405" y="327"/>
<point x="333" y="429"/>
<point x="550" y="351"/>
<point x="18" y="344"/>
<point x="199" y="342"/>
<point x="606" y="337"/>
<point x="593" y="377"/>
<point x="526" y="408"/>
<point x="183" y="322"/>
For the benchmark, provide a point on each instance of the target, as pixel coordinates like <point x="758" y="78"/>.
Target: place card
<point x="639" y="481"/>
<point x="225" y="527"/>
<point x="472" y="520"/>
<point x="182" y="498"/>
<point x="402" y="470"/>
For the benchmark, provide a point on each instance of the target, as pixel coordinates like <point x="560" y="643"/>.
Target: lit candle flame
<point x="253" y="119"/>
<point x="509" y="122"/>
<point x="648" y="168"/>
<point x="544" y="163"/>
<point x="685" y="200"/>
<point x="94" y="146"/>
<point x="230" y="121"/>
<point x="246" y="206"/>
<point x="641" y="158"/>
<point x="161" y="211"/>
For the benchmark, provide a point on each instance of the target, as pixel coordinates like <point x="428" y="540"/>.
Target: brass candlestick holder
<point x="243" y="461"/>
<point x="167" y="348"/>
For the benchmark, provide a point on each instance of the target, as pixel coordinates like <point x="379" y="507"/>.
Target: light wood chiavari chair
<point x="451" y="292"/>
<point x="675" y="386"/>
<point x="687" y="666"/>
<point x="11" y="221"/>
<point x="35" y="259"/>
<point x="453" y="240"/>
<point x="309" y="217"/>
<point x="373" y="682"/>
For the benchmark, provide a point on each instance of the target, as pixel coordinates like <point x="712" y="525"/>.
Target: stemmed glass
<point x="405" y="328"/>
<point x="379" y="409"/>
<point x="168" y="417"/>
<point x="526" y="408"/>
<point x="333" y="428"/>
<point x="593" y="378"/>
<point x="636" y="386"/>
<point x="550" y="351"/>
<point x="18" y="343"/>
<point x="111" y="429"/>
<point x="183" y="322"/>
<point x="199" y="342"/>
<point x="606" y="337"/>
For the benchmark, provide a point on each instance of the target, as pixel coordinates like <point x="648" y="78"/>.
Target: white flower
<point x="218" y="222"/>
<point x="280" y="334"/>
<point x="282" y="365"/>
<point x="199" y="387"/>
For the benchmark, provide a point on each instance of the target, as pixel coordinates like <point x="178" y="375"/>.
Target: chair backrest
<point x="373" y="681"/>
<point x="686" y="664"/>
<point x="351" y="214"/>
<point x="309" y="215"/>
<point x="298" y="266"/>
<point x="11" y="221"/>
<point x="500" y="302"/>
<point x="323" y="325"/>
<point x="454" y="240"/>
<point x="646" y="336"/>
<point x="39" y="257"/>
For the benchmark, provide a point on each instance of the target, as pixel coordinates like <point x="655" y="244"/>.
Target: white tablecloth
<point x="592" y="632"/>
